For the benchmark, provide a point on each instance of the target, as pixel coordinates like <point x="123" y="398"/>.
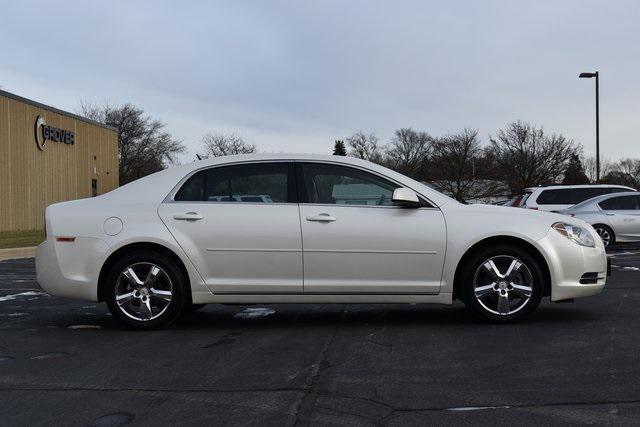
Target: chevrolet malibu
<point x="307" y="229"/>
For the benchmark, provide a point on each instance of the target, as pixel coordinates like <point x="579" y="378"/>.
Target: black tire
<point x="601" y="229"/>
<point x="178" y="290"/>
<point x="530" y="277"/>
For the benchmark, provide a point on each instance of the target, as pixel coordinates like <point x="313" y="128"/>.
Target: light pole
<point x="588" y="76"/>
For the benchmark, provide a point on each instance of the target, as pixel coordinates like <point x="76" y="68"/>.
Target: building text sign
<point x="45" y="132"/>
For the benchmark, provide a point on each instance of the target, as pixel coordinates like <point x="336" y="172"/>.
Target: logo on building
<point x="45" y="132"/>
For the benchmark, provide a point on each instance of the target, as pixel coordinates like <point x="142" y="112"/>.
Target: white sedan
<point x="307" y="229"/>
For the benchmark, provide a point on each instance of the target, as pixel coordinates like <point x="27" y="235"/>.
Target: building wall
<point x="31" y="179"/>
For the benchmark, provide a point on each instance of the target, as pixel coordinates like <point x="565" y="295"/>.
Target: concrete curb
<point x="14" y="253"/>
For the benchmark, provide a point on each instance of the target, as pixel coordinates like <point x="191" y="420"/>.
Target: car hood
<point x="480" y="221"/>
<point x="522" y="214"/>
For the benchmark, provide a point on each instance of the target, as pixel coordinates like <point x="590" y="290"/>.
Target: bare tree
<point x="408" y="150"/>
<point x="589" y="166"/>
<point x="143" y="146"/>
<point x="527" y="157"/>
<point x="457" y="164"/>
<point x="629" y="167"/>
<point x="624" y="172"/>
<point x="365" y="147"/>
<point x="220" y="144"/>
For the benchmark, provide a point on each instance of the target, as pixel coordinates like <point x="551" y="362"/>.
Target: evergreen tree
<point x="339" y="149"/>
<point x="574" y="174"/>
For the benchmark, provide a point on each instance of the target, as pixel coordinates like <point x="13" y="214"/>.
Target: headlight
<point x="578" y="234"/>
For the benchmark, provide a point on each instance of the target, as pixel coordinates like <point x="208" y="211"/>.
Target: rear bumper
<point x="568" y="263"/>
<point x="70" y="269"/>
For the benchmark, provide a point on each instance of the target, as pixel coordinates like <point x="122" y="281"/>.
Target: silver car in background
<point x="616" y="217"/>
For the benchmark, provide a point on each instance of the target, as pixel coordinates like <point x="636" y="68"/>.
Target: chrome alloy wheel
<point x="503" y="285"/>
<point x="604" y="235"/>
<point x="143" y="299"/>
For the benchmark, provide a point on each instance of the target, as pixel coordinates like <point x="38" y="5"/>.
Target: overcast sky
<point x="292" y="76"/>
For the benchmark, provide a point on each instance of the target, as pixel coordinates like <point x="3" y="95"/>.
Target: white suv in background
<point x="558" y="197"/>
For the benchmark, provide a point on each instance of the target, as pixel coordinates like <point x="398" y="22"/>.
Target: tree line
<point x="518" y="156"/>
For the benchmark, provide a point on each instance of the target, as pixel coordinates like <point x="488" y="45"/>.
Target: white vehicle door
<point x="240" y="226"/>
<point x="623" y="214"/>
<point x="357" y="242"/>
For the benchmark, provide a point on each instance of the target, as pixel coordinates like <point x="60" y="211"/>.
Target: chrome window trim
<point x="329" y="205"/>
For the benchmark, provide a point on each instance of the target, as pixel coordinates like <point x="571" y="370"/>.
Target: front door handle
<point x="189" y="216"/>
<point x="323" y="217"/>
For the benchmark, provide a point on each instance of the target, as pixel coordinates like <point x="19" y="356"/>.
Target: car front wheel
<point x="145" y="291"/>
<point x="606" y="234"/>
<point x="503" y="284"/>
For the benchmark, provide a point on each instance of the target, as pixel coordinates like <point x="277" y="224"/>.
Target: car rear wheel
<point x="502" y="284"/>
<point x="606" y="234"/>
<point x="145" y="291"/>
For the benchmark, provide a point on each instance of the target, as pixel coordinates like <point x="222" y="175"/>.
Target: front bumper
<point x="70" y="269"/>
<point x="568" y="262"/>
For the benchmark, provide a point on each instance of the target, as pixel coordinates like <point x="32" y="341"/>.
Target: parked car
<point x="616" y="217"/>
<point x="558" y="197"/>
<point x="183" y="237"/>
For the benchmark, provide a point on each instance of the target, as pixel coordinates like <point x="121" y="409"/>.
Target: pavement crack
<point x="307" y="401"/>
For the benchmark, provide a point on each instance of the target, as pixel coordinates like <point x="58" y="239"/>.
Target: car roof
<point x="559" y="187"/>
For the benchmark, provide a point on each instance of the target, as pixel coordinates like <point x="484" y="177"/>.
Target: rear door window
<point x="622" y="203"/>
<point x="250" y="183"/>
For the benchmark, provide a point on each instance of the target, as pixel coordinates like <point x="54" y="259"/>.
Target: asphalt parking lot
<point x="67" y="362"/>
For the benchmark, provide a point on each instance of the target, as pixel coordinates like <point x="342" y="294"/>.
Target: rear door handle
<point x="189" y="216"/>
<point x="323" y="217"/>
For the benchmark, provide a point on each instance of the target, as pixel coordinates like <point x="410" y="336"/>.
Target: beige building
<point x="47" y="156"/>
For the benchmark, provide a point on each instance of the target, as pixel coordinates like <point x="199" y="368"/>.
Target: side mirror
<point x="405" y="197"/>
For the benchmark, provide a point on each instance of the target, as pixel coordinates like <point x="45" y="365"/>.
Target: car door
<point x="356" y="242"/>
<point x="240" y="226"/>
<point x="623" y="214"/>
